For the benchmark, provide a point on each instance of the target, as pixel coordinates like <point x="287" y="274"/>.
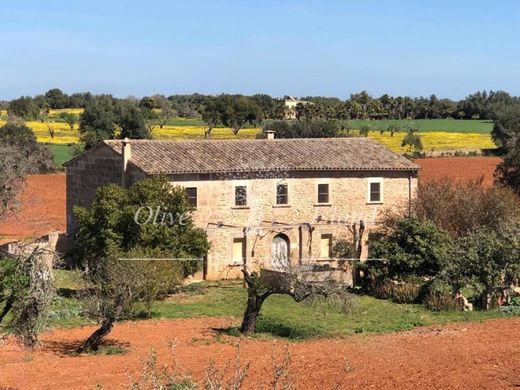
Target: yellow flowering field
<point x="437" y="141"/>
<point x="197" y="132"/>
<point x="62" y="133"/>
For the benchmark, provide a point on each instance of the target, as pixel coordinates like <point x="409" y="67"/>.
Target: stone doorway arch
<point x="280" y="255"/>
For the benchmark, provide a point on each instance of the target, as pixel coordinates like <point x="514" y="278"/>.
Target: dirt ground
<point x="461" y="356"/>
<point x="41" y="209"/>
<point x="458" y="168"/>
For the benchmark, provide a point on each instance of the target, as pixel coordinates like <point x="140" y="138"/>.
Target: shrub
<point x="440" y="296"/>
<point x="399" y="292"/>
<point x="459" y="208"/>
<point x="411" y="247"/>
<point x="344" y="249"/>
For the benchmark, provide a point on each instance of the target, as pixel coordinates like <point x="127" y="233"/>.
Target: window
<point x="323" y="193"/>
<point x="282" y="194"/>
<point x="240" y="196"/>
<point x="239" y="250"/>
<point x="191" y="193"/>
<point x="375" y="191"/>
<point x="326" y="246"/>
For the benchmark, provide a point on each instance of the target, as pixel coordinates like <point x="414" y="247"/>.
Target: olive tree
<point x="295" y="281"/>
<point x="27" y="289"/>
<point x="118" y="237"/>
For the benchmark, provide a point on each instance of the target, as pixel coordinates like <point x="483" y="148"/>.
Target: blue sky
<point x="331" y="48"/>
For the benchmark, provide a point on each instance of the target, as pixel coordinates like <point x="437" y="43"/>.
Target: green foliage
<point x="413" y="141"/>
<point x="412" y="247"/>
<point x="27" y="288"/>
<point x="110" y="223"/>
<point x="344" y="249"/>
<point x="506" y="134"/>
<point x="56" y="99"/>
<point x="69" y="118"/>
<point x="364" y="130"/>
<point x="37" y="157"/>
<point x="105" y="117"/>
<point x="508" y="171"/>
<point x="234" y="111"/>
<point x="147" y="102"/>
<point x="131" y="122"/>
<point x="488" y="260"/>
<point x="98" y="121"/>
<point x="506" y="128"/>
<point x="24" y="107"/>
<point x="304" y="129"/>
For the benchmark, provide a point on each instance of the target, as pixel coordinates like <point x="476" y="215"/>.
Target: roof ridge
<point x="256" y="155"/>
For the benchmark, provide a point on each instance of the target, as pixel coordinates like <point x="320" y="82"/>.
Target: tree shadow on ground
<point x="67" y="348"/>
<point x="272" y="327"/>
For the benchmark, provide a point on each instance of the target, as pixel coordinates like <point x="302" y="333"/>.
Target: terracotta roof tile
<point x="213" y="156"/>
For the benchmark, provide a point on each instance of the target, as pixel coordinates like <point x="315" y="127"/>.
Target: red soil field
<point x="41" y="209"/>
<point x="456" y="356"/>
<point x="458" y="168"/>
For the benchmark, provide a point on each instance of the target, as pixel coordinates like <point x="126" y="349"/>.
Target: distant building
<point x="290" y="106"/>
<point x="265" y="203"/>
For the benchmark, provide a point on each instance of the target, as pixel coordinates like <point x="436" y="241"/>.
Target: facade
<point x="272" y="203"/>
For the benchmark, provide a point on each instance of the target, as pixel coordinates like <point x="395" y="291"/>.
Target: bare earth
<point x="461" y="356"/>
<point x="41" y="209"/>
<point x="458" y="168"/>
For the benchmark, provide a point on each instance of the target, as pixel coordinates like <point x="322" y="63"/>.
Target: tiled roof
<point x="302" y="154"/>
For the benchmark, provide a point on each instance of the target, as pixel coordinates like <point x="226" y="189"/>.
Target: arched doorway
<point x="280" y="252"/>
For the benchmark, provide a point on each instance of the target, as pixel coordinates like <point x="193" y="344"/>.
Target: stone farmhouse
<point x="271" y="202"/>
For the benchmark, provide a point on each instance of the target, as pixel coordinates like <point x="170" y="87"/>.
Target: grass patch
<point x="109" y="350"/>
<point x="432" y="125"/>
<point x="282" y="317"/>
<point x="62" y="153"/>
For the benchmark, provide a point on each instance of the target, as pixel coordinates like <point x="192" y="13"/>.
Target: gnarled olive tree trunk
<point x="269" y="282"/>
<point x="95" y="339"/>
<point x="7" y="307"/>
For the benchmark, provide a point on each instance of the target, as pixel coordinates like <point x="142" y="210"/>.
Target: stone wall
<point x="303" y="221"/>
<point x="94" y="169"/>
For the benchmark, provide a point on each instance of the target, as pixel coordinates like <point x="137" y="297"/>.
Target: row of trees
<point x="480" y="105"/>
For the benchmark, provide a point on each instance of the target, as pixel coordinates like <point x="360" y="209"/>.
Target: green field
<point x="62" y="153"/>
<point x="432" y="125"/>
<point x="281" y="316"/>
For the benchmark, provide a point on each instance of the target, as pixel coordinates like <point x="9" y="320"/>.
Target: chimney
<point x="270" y="134"/>
<point x="127" y="153"/>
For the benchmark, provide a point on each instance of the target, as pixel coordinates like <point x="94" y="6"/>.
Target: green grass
<point x="424" y="125"/>
<point x="432" y="125"/>
<point x="281" y="316"/>
<point x="62" y="153"/>
<point x="185" y="122"/>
